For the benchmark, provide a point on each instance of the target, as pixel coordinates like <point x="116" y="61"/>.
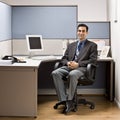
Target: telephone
<point x="7" y="57"/>
<point x="14" y="59"/>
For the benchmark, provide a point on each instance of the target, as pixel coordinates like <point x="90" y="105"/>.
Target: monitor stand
<point x="31" y="54"/>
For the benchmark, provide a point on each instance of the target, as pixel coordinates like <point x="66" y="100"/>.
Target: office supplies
<point x="7" y="57"/>
<point x="12" y="59"/>
<point x="104" y="51"/>
<point x="5" y="62"/>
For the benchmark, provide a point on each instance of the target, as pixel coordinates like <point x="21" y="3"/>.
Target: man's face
<point x="82" y="33"/>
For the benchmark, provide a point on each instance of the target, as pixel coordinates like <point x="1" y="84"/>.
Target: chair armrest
<point x="91" y="70"/>
<point x="57" y="65"/>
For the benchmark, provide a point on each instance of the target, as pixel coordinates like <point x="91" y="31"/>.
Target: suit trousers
<point x="72" y="79"/>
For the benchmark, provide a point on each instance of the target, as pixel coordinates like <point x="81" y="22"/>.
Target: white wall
<point x="5" y="29"/>
<point x="88" y="10"/>
<point x="114" y="17"/>
<point x="5" y="21"/>
<point x="5" y="48"/>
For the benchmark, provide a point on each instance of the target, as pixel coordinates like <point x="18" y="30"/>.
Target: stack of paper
<point x="5" y="62"/>
<point x="105" y="51"/>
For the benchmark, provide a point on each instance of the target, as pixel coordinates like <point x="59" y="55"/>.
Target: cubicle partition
<point x="5" y="29"/>
<point x="5" y="21"/>
<point x="52" y="22"/>
<point x="57" y="25"/>
<point x="22" y="80"/>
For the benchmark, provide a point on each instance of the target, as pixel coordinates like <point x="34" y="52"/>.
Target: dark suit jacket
<point x="88" y="54"/>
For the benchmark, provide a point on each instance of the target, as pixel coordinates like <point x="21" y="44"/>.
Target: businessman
<point x="74" y="61"/>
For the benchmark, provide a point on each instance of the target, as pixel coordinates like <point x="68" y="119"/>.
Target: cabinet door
<point x="18" y="91"/>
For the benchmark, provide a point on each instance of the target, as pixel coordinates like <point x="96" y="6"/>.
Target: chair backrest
<point x="89" y="77"/>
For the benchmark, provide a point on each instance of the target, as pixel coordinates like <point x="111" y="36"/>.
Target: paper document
<point x="105" y="51"/>
<point x="5" y="62"/>
<point x="100" y="44"/>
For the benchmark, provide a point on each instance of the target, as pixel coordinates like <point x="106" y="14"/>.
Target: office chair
<point x="87" y="79"/>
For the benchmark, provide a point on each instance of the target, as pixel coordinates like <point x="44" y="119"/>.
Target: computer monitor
<point x="34" y="43"/>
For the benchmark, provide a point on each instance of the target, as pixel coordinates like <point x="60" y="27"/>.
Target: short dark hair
<point x="83" y="25"/>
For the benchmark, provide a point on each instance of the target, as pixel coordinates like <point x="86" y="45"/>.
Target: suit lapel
<point x="73" y="49"/>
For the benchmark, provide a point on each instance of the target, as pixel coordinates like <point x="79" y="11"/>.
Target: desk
<point x="109" y="77"/>
<point x="18" y="87"/>
<point x="104" y="79"/>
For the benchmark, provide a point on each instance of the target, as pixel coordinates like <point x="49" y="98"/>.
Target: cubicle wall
<point x="5" y="22"/>
<point x="57" y="25"/>
<point x="5" y="29"/>
<point x="98" y="30"/>
<point x="52" y="22"/>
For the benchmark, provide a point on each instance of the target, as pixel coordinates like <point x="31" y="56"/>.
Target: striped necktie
<point x="78" y="50"/>
<point x="79" y="46"/>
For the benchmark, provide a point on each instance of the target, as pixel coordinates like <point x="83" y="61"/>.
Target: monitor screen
<point x="34" y="42"/>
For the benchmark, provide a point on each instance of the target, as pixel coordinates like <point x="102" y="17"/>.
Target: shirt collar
<point x="83" y="42"/>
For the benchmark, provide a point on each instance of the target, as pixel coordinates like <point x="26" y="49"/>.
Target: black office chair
<point x="87" y="79"/>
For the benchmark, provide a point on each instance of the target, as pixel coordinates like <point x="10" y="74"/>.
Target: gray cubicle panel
<point x="104" y="83"/>
<point x="5" y="21"/>
<point x="50" y="21"/>
<point x="44" y="74"/>
<point x="45" y="78"/>
<point x="98" y="30"/>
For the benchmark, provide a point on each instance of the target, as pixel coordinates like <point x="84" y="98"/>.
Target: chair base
<point x="85" y="102"/>
<point x="77" y="102"/>
<point x="74" y="109"/>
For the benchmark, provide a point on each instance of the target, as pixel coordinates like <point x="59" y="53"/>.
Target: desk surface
<point x="35" y="61"/>
<point x="30" y="62"/>
<point x="105" y="59"/>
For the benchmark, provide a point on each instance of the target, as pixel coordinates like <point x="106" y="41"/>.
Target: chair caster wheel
<point x="92" y="107"/>
<point x="55" y="106"/>
<point x="74" y="110"/>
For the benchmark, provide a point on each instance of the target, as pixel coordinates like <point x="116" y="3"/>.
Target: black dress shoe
<point x="59" y="103"/>
<point x="68" y="107"/>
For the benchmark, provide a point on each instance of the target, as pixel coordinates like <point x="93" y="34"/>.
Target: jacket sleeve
<point x="64" y="59"/>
